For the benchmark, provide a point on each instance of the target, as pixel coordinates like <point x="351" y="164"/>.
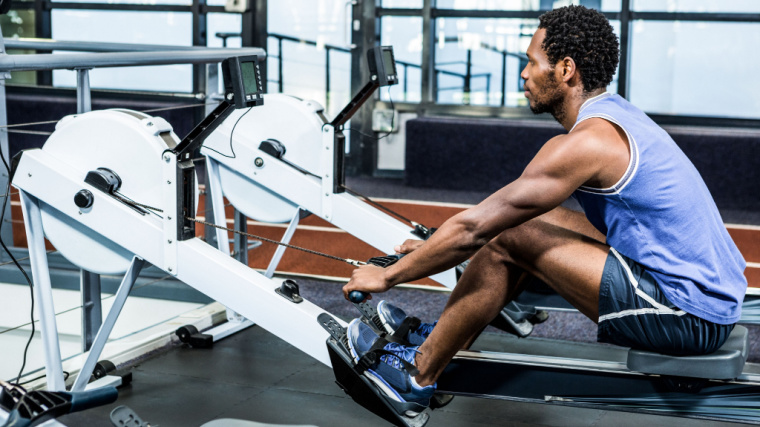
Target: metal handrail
<point x="48" y="61"/>
<point x="27" y="43"/>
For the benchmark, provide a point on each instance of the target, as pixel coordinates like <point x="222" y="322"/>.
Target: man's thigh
<point x="572" y="220"/>
<point x="568" y="261"/>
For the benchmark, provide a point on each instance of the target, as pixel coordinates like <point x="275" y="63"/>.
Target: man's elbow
<point x="474" y="233"/>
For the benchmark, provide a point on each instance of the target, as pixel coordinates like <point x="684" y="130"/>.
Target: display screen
<point x="388" y="63"/>
<point x="248" y="72"/>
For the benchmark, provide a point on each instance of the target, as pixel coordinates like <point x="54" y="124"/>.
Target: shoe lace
<point x="425" y="329"/>
<point x="399" y="352"/>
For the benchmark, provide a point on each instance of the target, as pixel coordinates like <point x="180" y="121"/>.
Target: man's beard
<point x="553" y="100"/>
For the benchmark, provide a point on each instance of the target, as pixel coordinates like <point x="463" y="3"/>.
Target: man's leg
<point x="568" y="261"/>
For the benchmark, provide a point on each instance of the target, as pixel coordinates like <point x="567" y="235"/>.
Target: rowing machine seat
<point x="724" y="364"/>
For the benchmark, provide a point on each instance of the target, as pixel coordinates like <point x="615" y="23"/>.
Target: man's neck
<point x="572" y="107"/>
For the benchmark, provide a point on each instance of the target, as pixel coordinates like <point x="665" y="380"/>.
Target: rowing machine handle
<point x="357" y="297"/>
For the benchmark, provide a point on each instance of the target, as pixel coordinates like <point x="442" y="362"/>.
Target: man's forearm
<point x="450" y="245"/>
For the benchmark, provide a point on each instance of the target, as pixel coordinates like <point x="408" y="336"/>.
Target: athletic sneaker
<point x="393" y="318"/>
<point x="389" y="373"/>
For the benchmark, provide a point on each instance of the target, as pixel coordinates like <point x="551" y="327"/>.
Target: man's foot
<point x="391" y="370"/>
<point x="393" y="319"/>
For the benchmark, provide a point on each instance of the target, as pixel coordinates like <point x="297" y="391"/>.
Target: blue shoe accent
<point x="392" y="318"/>
<point x="388" y="373"/>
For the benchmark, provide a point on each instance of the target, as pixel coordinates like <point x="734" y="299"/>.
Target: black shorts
<point x="633" y="312"/>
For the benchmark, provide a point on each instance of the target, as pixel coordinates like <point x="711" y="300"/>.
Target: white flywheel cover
<point x="126" y="142"/>
<point x="293" y="122"/>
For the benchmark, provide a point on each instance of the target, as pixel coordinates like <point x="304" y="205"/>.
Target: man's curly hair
<point x="587" y="37"/>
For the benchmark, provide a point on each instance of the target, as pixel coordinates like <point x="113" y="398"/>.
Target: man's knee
<point x="513" y="244"/>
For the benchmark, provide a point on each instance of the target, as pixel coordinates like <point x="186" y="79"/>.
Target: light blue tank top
<point x="661" y="215"/>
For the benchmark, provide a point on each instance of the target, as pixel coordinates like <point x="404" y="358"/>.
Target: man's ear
<point x="567" y="69"/>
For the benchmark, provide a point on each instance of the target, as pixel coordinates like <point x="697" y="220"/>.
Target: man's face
<point x="541" y="85"/>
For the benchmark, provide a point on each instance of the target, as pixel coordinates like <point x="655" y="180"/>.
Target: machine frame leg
<point x="105" y="330"/>
<point x="285" y="239"/>
<point x="235" y="322"/>
<point x="43" y="291"/>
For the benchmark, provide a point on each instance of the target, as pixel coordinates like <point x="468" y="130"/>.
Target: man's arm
<point x="562" y="165"/>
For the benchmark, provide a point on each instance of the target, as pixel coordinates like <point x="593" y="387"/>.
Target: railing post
<point x="625" y="48"/>
<point x="280" y="79"/>
<point x="327" y="78"/>
<point x="488" y="89"/>
<point x="429" y="80"/>
<point x="503" y="78"/>
<point x="89" y="282"/>
<point x="406" y="81"/>
<point x="84" y="100"/>
<point x="467" y="79"/>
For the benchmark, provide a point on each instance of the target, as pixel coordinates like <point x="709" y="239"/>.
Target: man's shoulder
<point x="595" y="133"/>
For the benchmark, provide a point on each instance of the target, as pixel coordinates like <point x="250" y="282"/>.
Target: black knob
<point x="83" y="199"/>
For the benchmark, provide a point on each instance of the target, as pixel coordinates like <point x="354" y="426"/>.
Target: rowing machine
<point x="274" y="162"/>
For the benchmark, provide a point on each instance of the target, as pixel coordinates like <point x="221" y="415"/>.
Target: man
<point x="651" y="261"/>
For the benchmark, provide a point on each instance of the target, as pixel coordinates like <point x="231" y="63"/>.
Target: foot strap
<point x="372" y="357"/>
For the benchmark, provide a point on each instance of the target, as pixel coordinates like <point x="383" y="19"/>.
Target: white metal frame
<point x="197" y="264"/>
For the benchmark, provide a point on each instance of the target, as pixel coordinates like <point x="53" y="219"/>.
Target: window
<point x="696" y="68"/>
<point x="405" y="35"/>
<point x="604" y="5"/>
<point x="302" y="35"/>
<point x="401" y="4"/>
<point x="168" y="28"/>
<point x="479" y="61"/>
<point x="730" y="6"/>
<point x="19" y="23"/>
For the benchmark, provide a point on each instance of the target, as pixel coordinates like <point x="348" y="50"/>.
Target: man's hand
<point x="410" y="245"/>
<point x="367" y="278"/>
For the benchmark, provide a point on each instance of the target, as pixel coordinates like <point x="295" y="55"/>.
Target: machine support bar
<point x="217" y="203"/>
<point x="100" y="340"/>
<point x="92" y="311"/>
<point x="241" y="240"/>
<point x="43" y="291"/>
<point x="364" y="94"/>
<point x="285" y="239"/>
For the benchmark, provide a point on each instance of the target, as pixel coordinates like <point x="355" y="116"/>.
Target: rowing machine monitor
<point x="382" y="65"/>
<point x="243" y="89"/>
<point x="242" y="81"/>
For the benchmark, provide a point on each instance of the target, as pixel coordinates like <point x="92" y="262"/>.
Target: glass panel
<point x="19" y="23"/>
<point x="324" y="21"/>
<point x="169" y="28"/>
<point x="405" y="35"/>
<point x="320" y="27"/>
<point x="604" y="5"/>
<point x="696" y="68"/>
<point x="474" y="53"/>
<point x="486" y="56"/>
<point x="730" y="6"/>
<point x="225" y="23"/>
<point x="402" y="4"/>
<point x="170" y="2"/>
